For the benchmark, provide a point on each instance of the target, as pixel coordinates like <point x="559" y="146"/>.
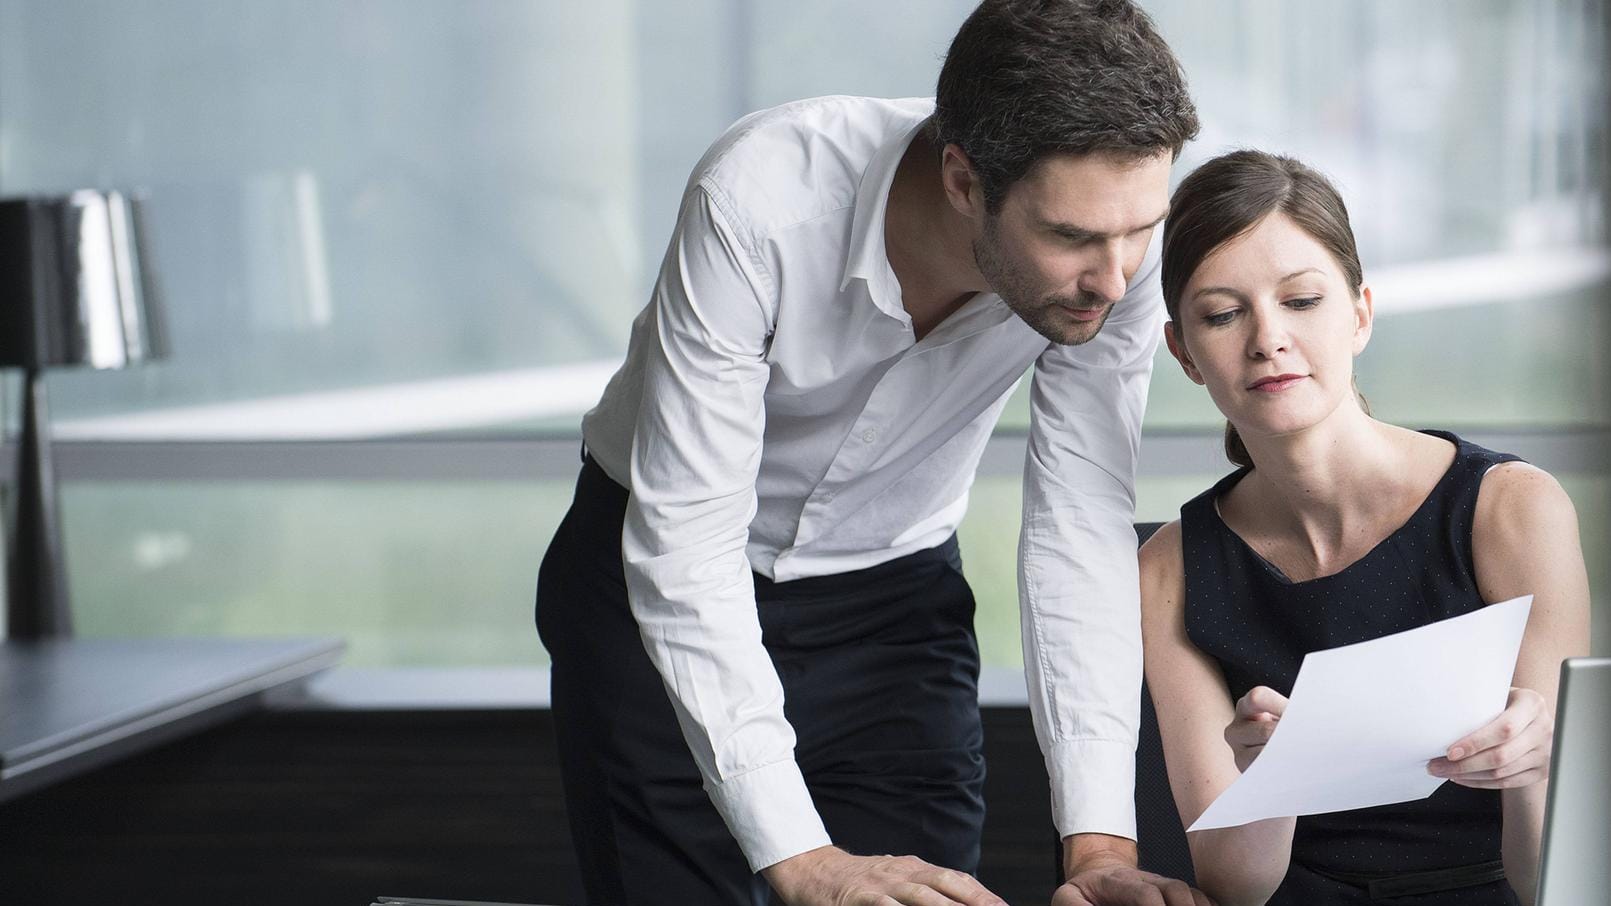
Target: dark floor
<point x="313" y="808"/>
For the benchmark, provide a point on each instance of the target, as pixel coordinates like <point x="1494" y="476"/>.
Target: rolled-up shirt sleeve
<point x="695" y="454"/>
<point x="1077" y="577"/>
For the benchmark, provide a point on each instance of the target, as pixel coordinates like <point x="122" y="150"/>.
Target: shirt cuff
<point x="770" y="813"/>
<point x="1093" y="787"/>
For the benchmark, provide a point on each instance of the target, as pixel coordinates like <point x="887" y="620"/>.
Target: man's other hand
<point x="829" y="876"/>
<point x="1118" y="885"/>
<point x="1102" y="872"/>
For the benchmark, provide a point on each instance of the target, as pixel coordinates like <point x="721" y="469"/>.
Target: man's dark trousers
<point x="880" y="674"/>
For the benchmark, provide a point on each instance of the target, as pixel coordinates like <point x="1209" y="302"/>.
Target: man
<point x="763" y="655"/>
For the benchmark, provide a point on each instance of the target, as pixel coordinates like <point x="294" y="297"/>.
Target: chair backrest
<point x="1161" y="843"/>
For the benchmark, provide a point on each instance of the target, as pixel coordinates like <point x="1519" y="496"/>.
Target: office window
<point x="405" y="218"/>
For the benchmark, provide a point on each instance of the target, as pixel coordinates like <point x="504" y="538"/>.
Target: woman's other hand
<point x="1511" y="751"/>
<point x="1257" y="713"/>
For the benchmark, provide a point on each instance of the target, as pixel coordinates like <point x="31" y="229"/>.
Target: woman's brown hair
<point x="1230" y="195"/>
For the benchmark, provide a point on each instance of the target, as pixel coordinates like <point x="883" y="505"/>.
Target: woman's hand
<point x="1511" y="751"/>
<point x="1256" y="716"/>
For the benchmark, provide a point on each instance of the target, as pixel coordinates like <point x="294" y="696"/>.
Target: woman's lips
<point x="1276" y="384"/>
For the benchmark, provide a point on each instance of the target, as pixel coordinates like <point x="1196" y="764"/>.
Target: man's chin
<point x="1067" y="331"/>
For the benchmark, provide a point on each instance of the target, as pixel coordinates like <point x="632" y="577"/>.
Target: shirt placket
<point x="863" y="442"/>
<point x="862" y="445"/>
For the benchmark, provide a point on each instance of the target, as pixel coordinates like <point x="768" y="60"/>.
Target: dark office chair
<point x="1160" y="837"/>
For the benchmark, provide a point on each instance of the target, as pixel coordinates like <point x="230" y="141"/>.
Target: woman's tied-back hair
<point x="1029" y="78"/>
<point x="1230" y="195"/>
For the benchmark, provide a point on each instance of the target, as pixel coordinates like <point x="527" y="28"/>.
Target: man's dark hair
<point x="1028" y="78"/>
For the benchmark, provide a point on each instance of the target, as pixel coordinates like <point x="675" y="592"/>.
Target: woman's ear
<point x="1364" y="317"/>
<point x="1177" y="348"/>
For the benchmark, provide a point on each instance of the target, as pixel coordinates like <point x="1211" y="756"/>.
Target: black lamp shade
<point x="75" y="288"/>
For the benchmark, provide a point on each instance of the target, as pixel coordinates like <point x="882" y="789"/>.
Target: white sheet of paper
<point x="1363" y="720"/>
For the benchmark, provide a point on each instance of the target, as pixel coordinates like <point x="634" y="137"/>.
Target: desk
<point x="71" y="705"/>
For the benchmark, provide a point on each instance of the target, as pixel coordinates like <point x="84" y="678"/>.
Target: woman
<point x="1337" y="528"/>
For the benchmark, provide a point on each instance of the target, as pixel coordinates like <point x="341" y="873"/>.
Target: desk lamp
<point x="75" y="289"/>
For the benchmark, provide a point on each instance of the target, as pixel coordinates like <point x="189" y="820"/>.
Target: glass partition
<point x="395" y="218"/>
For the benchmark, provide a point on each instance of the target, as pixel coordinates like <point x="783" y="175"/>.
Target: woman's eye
<point x="1306" y="302"/>
<point x="1219" y="318"/>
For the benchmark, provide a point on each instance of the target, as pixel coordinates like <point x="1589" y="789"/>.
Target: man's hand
<point x="829" y="876"/>
<point x="1257" y="713"/>
<point x="1102" y="871"/>
<point x="1511" y="751"/>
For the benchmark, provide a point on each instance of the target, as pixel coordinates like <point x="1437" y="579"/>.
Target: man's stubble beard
<point x="1024" y="300"/>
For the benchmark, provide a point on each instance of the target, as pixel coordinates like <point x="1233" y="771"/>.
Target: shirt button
<point x="869" y="435"/>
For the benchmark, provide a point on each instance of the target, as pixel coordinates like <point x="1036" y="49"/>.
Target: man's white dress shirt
<point x="776" y="413"/>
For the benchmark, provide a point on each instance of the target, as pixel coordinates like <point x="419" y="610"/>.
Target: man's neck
<point x="928" y="242"/>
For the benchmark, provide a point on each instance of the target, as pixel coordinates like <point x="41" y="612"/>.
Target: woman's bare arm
<point x="1238" y="865"/>
<point x="1525" y="541"/>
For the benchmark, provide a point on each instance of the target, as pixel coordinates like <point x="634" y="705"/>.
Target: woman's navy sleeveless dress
<point x="1257" y="624"/>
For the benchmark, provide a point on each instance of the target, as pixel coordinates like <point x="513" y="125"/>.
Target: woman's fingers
<point x="1512" y="750"/>
<point x="1514" y="781"/>
<point x="1533" y="763"/>
<point x="1529" y="745"/>
<point x="1255" y="732"/>
<point x="1261" y="700"/>
<point x="1257" y="714"/>
<point x="1522" y="709"/>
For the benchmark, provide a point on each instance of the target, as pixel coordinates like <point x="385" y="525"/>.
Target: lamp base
<point x="36" y="584"/>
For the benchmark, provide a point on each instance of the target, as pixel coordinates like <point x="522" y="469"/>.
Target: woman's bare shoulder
<point x="1163" y="571"/>
<point x="1519" y="501"/>
<point x="1524" y="540"/>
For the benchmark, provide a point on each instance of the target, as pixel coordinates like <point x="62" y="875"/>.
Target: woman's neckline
<point x="1230" y="481"/>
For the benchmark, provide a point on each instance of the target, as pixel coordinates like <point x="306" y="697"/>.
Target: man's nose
<point x="1105" y="278"/>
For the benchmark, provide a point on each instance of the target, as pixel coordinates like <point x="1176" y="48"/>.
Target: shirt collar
<point x="867" y="258"/>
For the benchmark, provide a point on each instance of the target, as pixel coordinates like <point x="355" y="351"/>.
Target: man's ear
<point x="1177" y="348"/>
<point x="1364" y="318"/>
<point x="961" y="182"/>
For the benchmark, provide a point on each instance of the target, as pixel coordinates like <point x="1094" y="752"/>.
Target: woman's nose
<point x="1269" y="336"/>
